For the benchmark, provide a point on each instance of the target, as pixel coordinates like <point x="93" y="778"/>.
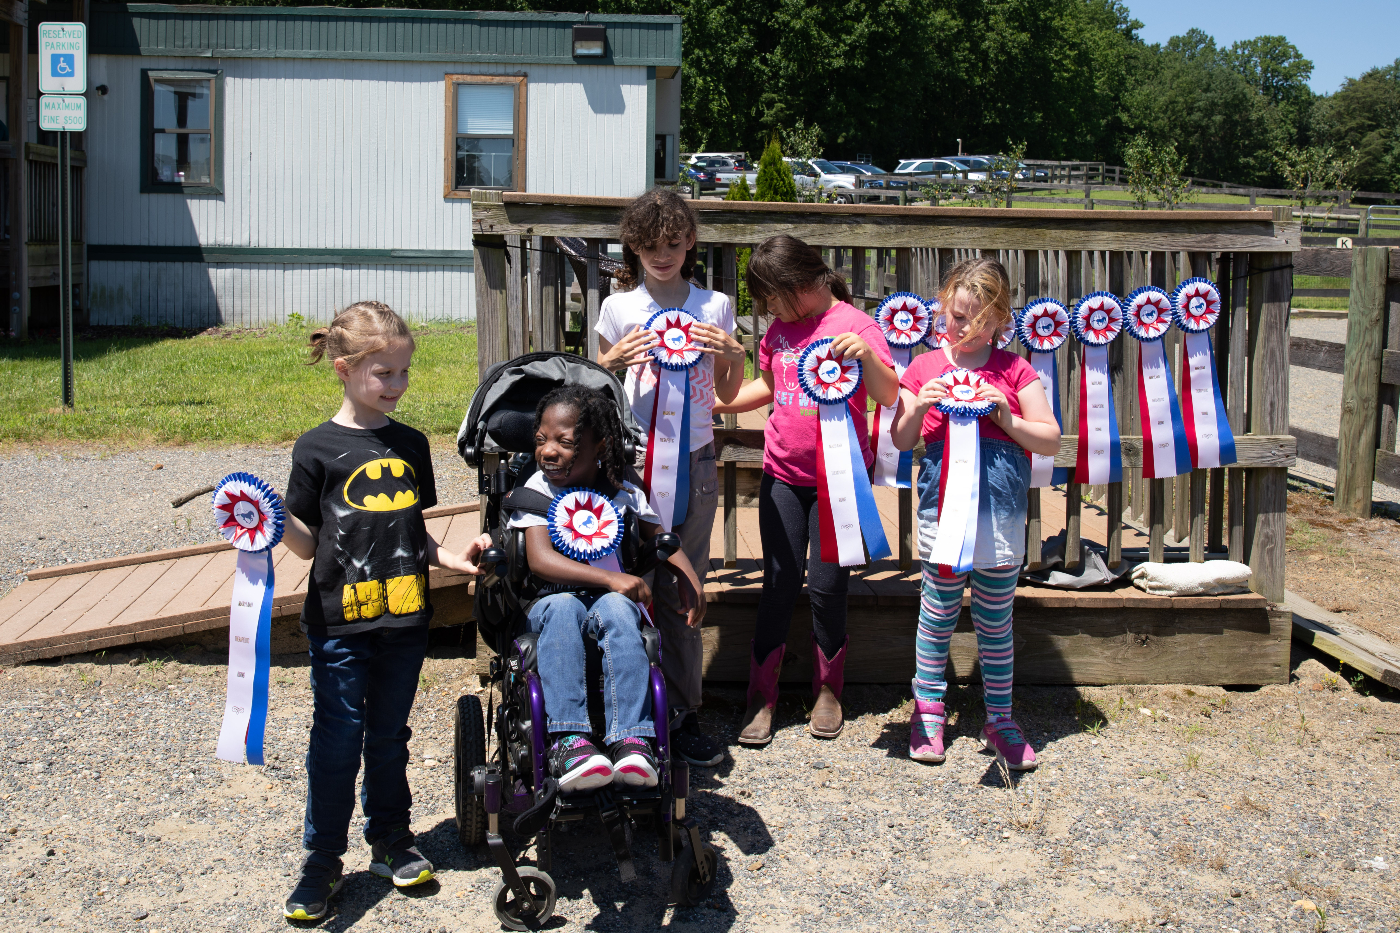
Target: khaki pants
<point x="681" y="646"/>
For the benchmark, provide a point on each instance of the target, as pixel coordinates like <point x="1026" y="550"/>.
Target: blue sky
<point x="1343" y="38"/>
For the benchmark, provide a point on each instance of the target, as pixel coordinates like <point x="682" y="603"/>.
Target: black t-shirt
<point x="366" y="490"/>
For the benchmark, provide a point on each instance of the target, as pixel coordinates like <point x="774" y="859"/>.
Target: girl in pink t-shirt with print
<point x="810" y="301"/>
<point x="976" y="299"/>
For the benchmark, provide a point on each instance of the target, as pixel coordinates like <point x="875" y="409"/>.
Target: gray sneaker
<point x="397" y="858"/>
<point x="320" y="879"/>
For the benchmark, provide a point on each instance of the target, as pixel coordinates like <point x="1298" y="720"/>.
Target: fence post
<point x="1390" y="394"/>
<point x="1356" y="440"/>
<point x="491" y="304"/>
<point x="1266" y="501"/>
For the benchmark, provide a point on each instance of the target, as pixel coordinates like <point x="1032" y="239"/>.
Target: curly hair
<point x="597" y="412"/>
<point x="363" y="328"/>
<point x="658" y="215"/>
<point x="986" y="280"/>
<point x="782" y="266"/>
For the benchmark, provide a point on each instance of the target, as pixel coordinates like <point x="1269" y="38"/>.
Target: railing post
<point x="1236" y="396"/>
<point x="1118" y="352"/>
<point x="550" y="333"/>
<point x="1356" y="439"/>
<point x="1390" y="394"/>
<point x="1223" y="361"/>
<point x="1200" y="265"/>
<point x="1157" y="488"/>
<point x="1074" y="287"/>
<point x="904" y="282"/>
<point x="1030" y="268"/>
<point x="1266" y="503"/>
<point x="17" y="119"/>
<point x="492" y="307"/>
<point x="593" y="299"/>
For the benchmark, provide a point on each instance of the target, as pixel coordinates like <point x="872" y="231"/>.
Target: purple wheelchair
<point x="500" y="765"/>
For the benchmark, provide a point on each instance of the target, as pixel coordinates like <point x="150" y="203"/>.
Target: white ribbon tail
<point x="1098" y="412"/>
<point x="957" y="506"/>
<point x="1043" y="465"/>
<point x="249" y="660"/>
<point x="672" y="398"/>
<point x="610" y="562"/>
<point x="892" y="467"/>
<point x="1215" y="443"/>
<point x="840" y="484"/>
<point x="1157" y="428"/>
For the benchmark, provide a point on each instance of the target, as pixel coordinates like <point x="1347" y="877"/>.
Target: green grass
<point x="1320" y="281"/>
<point x="230" y="388"/>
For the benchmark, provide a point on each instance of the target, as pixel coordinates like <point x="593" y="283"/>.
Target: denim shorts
<point x="1001" y="503"/>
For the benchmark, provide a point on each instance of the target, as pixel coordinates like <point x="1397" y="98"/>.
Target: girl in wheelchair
<point x="579" y="444"/>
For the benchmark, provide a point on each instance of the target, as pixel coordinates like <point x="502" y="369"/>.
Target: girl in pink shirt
<point x="976" y="298"/>
<point x="789" y="277"/>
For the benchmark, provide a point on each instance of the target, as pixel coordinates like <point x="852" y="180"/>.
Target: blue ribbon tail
<point x="1059" y="475"/>
<point x="871" y="528"/>
<point x="1115" y="450"/>
<point x="904" y="475"/>
<point x="1222" y="423"/>
<point x="678" y="511"/>
<point x="257" y="721"/>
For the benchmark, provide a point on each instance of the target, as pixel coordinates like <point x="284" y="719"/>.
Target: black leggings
<point x="788" y="528"/>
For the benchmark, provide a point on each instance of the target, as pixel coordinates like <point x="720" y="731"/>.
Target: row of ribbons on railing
<point x="1178" y="435"/>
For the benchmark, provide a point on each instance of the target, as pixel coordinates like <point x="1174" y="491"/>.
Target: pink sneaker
<point x="1005" y="738"/>
<point x="926" y="732"/>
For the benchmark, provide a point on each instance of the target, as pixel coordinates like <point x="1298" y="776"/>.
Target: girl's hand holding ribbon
<point x="632" y="350"/>
<point x="853" y="347"/>
<point x="1002" y="416"/>
<point x="634" y="588"/>
<point x="929" y="395"/>
<point x="714" y="341"/>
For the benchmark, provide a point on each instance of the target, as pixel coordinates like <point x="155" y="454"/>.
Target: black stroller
<point x="501" y="765"/>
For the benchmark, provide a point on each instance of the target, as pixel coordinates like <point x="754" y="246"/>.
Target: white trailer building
<point x="247" y="163"/>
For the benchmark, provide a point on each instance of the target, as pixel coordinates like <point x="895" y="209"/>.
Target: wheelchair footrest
<point x="615" y="823"/>
<point x="535" y="819"/>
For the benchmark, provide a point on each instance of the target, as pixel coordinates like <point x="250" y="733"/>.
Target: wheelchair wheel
<point x="508" y="909"/>
<point x="469" y="751"/>
<point x="686" y="888"/>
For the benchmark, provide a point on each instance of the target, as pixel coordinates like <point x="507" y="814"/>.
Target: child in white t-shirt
<point x="658" y="233"/>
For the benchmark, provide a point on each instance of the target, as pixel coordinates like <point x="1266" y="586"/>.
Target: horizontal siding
<point x="413" y="35"/>
<point x="336" y="155"/>
<point x="186" y="294"/>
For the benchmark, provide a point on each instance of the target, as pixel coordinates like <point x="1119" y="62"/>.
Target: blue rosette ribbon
<point x="1043" y="327"/>
<point x="938" y="325"/>
<point x="584" y="526"/>
<point x="904" y="320"/>
<point x="1097" y="321"/>
<point x="666" y="472"/>
<point x="1147" y="317"/>
<point x="249" y="514"/>
<point x="960" y="478"/>
<point x="1196" y="307"/>
<point x="849" y="522"/>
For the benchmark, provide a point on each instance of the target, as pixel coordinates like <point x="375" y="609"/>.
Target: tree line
<point x="1072" y="79"/>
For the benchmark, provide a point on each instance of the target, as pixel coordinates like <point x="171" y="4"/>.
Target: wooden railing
<point x="1369" y="363"/>
<point x="42" y="193"/>
<point x="1238" y="512"/>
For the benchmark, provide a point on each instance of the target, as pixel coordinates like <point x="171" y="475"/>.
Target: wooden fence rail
<point x="1369" y="362"/>
<point x="1238" y="511"/>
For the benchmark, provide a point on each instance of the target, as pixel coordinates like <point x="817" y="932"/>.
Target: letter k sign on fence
<point x="62" y="58"/>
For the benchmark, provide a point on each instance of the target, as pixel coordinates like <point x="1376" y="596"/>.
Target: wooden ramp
<point x="77" y="608"/>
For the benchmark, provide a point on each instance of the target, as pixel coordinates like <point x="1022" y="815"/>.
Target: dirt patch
<point x="1343" y="564"/>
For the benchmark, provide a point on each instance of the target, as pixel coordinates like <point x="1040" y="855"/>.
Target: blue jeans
<point x="562" y="621"/>
<point x="1001" y="503"/>
<point x="363" y="687"/>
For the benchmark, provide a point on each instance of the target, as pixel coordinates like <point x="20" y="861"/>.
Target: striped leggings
<point x="939" y="606"/>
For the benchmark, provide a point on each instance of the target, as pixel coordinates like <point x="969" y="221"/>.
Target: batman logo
<point x="385" y="484"/>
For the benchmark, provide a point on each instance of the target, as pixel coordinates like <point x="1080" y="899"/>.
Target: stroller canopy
<point x="501" y="416"/>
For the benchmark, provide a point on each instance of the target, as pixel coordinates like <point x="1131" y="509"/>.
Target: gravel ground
<point x="1315" y="403"/>
<point x="63" y="505"/>
<point x="1154" y="808"/>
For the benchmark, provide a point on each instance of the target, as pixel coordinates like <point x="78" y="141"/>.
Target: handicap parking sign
<point x="62" y="58"/>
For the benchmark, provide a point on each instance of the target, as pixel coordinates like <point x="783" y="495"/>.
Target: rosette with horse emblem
<point x="666" y="468"/>
<point x="1195" y="308"/>
<point x="249" y="514"/>
<point x="584" y="525"/>
<point x="848" y="521"/>
<point x="904" y="320"/>
<point x="825" y="377"/>
<point x="1097" y="321"/>
<point x="1043" y="327"/>
<point x="1147" y="318"/>
<point x="1007" y="335"/>
<point x="962" y="399"/>
<point x="959" y="480"/>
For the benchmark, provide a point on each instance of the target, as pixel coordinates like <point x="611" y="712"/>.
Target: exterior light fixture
<point x="590" y="41"/>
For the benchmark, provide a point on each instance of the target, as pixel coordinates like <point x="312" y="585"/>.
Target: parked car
<point x="706" y="178"/>
<point x="825" y="175"/>
<point x="977" y="166"/>
<point x="802" y="173"/>
<point x="717" y="164"/>
<point x="740" y="159"/>
<point x="927" y="170"/>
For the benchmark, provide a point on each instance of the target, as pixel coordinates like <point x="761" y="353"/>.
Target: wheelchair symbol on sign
<point x="61" y="66"/>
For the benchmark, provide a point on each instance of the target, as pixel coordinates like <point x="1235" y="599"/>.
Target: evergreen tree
<point x="739" y="190"/>
<point x="775" y="181"/>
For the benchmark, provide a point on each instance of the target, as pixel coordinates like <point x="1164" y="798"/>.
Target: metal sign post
<point x="63" y="71"/>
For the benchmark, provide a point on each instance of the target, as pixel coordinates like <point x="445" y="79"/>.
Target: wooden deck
<point x="1114" y="635"/>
